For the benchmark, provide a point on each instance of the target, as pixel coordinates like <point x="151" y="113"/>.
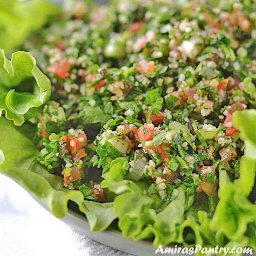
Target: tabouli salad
<point x="149" y="100"/>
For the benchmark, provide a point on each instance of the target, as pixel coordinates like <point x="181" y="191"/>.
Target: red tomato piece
<point x="191" y="92"/>
<point x="100" y="84"/>
<point x="145" y="67"/>
<point x="227" y="121"/>
<point x="208" y="188"/>
<point x="75" y="144"/>
<point x="44" y="134"/>
<point x="157" y="119"/>
<point x="136" y="26"/>
<point x="228" y="154"/>
<point x="78" y="155"/>
<point x="75" y="173"/>
<point x="60" y="45"/>
<point x="66" y="180"/>
<point x="230" y="131"/>
<point x="130" y="132"/>
<point x="223" y="84"/>
<point x="235" y="107"/>
<point x="61" y="69"/>
<point x="242" y="21"/>
<point x="98" y="192"/>
<point x="159" y="149"/>
<point x="141" y="43"/>
<point x="145" y="133"/>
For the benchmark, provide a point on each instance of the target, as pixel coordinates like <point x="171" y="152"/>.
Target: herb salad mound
<point x="151" y="119"/>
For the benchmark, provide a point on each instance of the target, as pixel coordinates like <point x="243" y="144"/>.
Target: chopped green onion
<point x="198" y="134"/>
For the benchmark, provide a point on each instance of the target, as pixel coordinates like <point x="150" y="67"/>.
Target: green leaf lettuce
<point x="21" y="73"/>
<point x="18" y="19"/>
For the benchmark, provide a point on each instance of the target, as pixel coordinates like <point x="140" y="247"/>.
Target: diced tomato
<point x="75" y="144"/>
<point x="158" y="149"/>
<point x="223" y="84"/>
<point x="75" y="173"/>
<point x="228" y="120"/>
<point x="235" y="107"/>
<point x="199" y="189"/>
<point x="157" y="119"/>
<point x="145" y="133"/>
<point x="151" y="66"/>
<point x="145" y="67"/>
<point x="136" y="26"/>
<point x="182" y="97"/>
<point x="177" y="95"/>
<point x="242" y="21"/>
<point x="208" y="188"/>
<point x="78" y="155"/>
<point x="230" y="131"/>
<point x="130" y="132"/>
<point x="91" y="77"/>
<point x="130" y="135"/>
<point x="66" y="180"/>
<point x="60" y="45"/>
<point x="141" y="43"/>
<point x="227" y="154"/>
<point x="61" y="69"/>
<point x="82" y="139"/>
<point x="98" y="192"/>
<point x="191" y="92"/>
<point x="100" y="84"/>
<point x="240" y="105"/>
<point x="44" y="134"/>
<point x="71" y="143"/>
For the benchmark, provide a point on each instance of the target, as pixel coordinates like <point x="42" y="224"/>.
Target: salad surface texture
<point x="142" y="112"/>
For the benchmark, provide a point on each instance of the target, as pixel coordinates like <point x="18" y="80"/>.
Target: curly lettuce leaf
<point x="235" y="215"/>
<point x="17" y="74"/>
<point x="98" y="215"/>
<point x="18" y="19"/>
<point x="18" y="161"/>
<point x="114" y="178"/>
<point x="208" y="234"/>
<point x="245" y="122"/>
<point x="168" y="221"/>
<point x="194" y="236"/>
<point x="135" y="215"/>
<point x="147" y="217"/>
